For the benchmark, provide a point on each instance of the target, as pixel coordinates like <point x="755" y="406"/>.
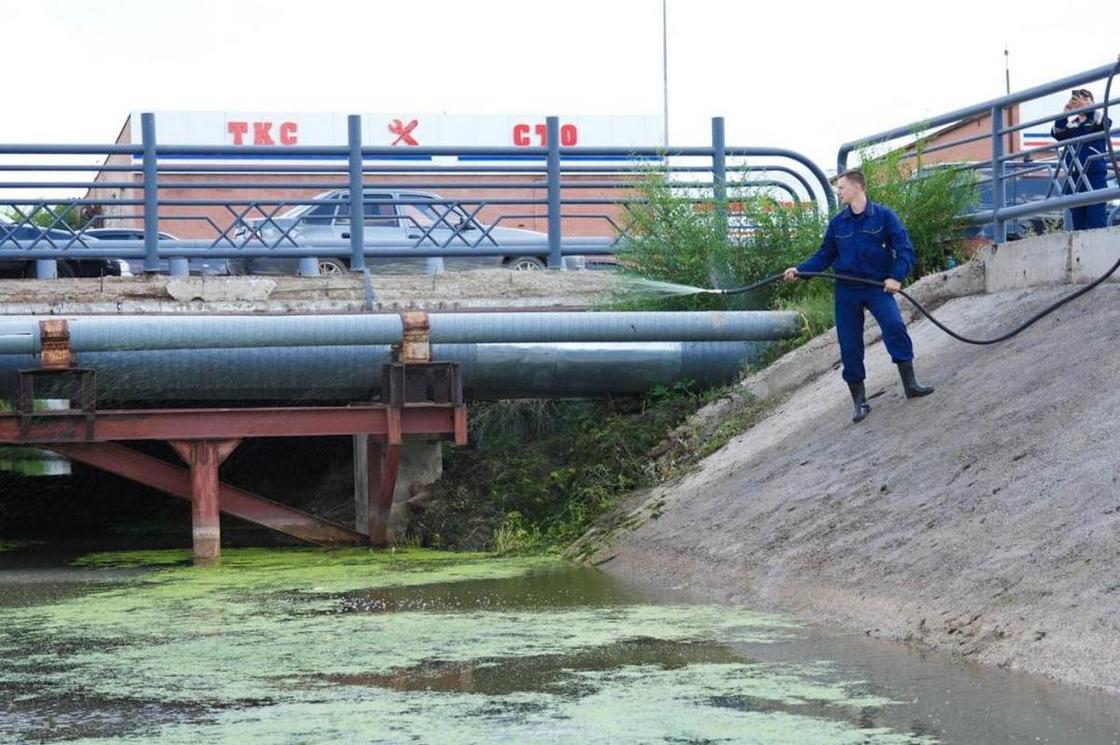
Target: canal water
<point x="309" y="646"/>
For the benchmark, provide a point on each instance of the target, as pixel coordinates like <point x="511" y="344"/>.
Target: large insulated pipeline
<point x="20" y="334"/>
<point x="353" y="373"/>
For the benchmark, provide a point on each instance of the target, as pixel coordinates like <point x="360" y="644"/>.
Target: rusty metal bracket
<point x="54" y="336"/>
<point x="416" y="343"/>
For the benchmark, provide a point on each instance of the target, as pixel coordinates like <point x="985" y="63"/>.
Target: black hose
<point x="960" y="337"/>
<point x="1108" y="122"/>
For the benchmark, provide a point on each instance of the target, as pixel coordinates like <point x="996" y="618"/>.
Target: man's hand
<point x="790" y="275"/>
<point x="892" y="285"/>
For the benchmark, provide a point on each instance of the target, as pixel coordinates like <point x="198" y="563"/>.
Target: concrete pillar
<point x="361" y="484"/>
<point x="421" y="463"/>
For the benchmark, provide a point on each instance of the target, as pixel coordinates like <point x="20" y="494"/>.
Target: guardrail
<point x="1008" y="166"/>
<point x="141" y="186"/>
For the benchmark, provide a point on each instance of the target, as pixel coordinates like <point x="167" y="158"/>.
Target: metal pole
<point x="552" y="133"/>
<point x="357" y="210"/>
<point x="719" y="171"/>
<point x="665" y="67"/>
<point x="999" y="228"/>
<point x="1006" y="69"/>
<point x="151" y="194"/>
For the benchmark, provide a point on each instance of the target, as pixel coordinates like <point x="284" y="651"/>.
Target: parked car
<point x="419" y="219"/>
<point x="76" y="267"/>
<point x="198" y="267"/>
<point x="1030" y="186"/>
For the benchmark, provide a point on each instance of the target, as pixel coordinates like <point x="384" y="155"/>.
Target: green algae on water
<point x="306" y="645"/>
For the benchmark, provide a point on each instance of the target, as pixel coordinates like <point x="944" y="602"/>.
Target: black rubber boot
<point x="909" y="383"/>
<point x="859" y="398"/>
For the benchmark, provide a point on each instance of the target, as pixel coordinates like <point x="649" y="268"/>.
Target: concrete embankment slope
<point x="983" y="520"/>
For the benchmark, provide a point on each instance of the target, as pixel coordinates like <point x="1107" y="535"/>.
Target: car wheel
<point x="332" y="268"/>
<point x="525" y="264"/>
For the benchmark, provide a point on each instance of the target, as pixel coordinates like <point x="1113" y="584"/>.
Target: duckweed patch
<point x="306" y="645"/>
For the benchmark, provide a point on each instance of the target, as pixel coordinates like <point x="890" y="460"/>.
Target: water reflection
<point x="543" y="654"/>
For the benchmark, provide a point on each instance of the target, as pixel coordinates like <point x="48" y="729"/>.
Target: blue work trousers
<point x="850" y="303"/>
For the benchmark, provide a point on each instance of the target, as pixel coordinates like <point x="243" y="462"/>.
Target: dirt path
<point x="983" y="520"/>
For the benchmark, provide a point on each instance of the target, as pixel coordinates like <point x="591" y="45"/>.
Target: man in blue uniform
<point x="866" y="240"/>
<point x="1086" y="162"/>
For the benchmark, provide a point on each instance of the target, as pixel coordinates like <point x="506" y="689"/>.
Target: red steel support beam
<point x="205" y="457"/>
<point x="460" y="418"/>
<point x="176" y="480"/>
<point x="221" y="424"/>
<point x="383" y="461"/>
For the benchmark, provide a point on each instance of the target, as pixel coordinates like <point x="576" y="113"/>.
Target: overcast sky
<point x="807" y="76"/>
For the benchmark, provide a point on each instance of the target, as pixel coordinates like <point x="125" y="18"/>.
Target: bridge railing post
<point x="719" y="172"/>
<point x="357" y="209"/>
<point x="552" y="134"/>
<point x="151" y="193"/>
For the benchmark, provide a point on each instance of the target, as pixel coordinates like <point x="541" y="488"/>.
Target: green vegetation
<point x="538" y="473"/>
<point x="62" y="216"/>
<point x="927" y="200"/>
<point x="677" y="236"/>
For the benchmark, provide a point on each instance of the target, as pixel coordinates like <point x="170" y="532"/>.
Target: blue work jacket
<point x="871" y="245"/>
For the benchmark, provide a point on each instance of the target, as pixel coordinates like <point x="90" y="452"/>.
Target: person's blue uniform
<point x="871" y="245"/>
<point x="1086" y="165"/>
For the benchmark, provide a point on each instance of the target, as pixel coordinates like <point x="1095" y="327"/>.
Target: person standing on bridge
<point x="866" y="240"/>
<point x="1086" y="162"/>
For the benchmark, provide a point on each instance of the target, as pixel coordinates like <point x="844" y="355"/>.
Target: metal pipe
<point x="1003" y="101"/>
<point x="10" y="249"/>
<point x="1030" y="208"/>
<point x="338" y="374"/>
<point x="148" y="333"/>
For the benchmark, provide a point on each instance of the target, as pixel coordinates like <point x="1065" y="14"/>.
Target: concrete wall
<point x="1051" y="259"/>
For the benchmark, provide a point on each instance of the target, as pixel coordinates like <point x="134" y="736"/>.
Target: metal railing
<point x="1006" y="168"/>
<point x="149" y="186"/>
